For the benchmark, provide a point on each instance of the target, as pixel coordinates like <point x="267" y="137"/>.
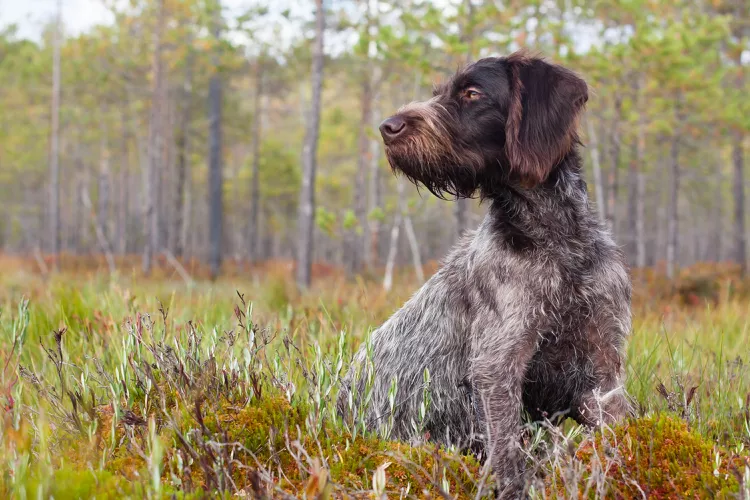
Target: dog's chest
<point x="498" y="277"/>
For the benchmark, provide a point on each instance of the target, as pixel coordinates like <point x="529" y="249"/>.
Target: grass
<point x="149" y="388"/>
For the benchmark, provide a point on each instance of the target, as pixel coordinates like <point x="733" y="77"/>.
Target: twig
<point x="179" y="268"/>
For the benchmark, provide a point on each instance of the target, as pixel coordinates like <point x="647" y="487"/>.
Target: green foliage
<point x="326" y="221"/>
<point x="376" y="214"/>
<point x="350" y="221"/>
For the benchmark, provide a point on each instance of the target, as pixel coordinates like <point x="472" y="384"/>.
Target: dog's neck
<point x="556" y="212"/>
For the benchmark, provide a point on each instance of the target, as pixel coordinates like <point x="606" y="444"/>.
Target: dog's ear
<point x="545" y="101"/>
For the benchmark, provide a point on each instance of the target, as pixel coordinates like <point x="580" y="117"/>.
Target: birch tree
<point x="215" y="202"/>
<point x="54" y="150"/>
<point x="305" y="219"/>
<point x="151" y="220"/>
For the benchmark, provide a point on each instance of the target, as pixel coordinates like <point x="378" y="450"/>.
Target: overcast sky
<point x="78" y="15"/>
<point x="32" y="15"/>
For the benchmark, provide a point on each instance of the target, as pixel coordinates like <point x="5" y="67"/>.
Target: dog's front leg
<point x="500" y="356"/>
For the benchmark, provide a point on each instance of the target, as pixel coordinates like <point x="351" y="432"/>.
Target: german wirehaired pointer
<point x="529" y="312"/>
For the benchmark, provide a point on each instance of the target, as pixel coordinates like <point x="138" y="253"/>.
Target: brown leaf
<point x="663" y="391"/>
<point x="690" y="395"/>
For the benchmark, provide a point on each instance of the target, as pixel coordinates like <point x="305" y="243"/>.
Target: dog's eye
<point x="472" y="94"/>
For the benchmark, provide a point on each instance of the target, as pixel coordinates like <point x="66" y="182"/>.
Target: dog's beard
<point x="443" y="175"/>
<point x="429" y="156"/>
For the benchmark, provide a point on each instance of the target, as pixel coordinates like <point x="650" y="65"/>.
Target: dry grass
<point x="132" y="387"/>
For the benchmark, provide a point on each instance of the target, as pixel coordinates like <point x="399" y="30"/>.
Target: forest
<point x="199" y="227"/>
<point x="186" y="130"/>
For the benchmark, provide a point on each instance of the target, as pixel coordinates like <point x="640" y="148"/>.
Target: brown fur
<point x="530" y="312"/>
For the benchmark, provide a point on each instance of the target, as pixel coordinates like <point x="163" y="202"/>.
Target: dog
<point x="530" y="312"/>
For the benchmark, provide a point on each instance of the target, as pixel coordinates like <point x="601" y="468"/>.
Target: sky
<point x="32" y="15"/>
<point x="78" y="15"/>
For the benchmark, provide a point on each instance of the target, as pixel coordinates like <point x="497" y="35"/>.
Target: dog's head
<point x="508" y="119"/>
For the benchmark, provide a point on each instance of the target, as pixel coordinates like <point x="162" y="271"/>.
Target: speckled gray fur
<point x="530" y="312"/>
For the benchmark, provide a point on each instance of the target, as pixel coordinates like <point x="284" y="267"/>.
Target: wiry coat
<point x="529" y="312"/>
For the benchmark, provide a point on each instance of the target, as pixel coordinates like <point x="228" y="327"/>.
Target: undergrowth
<point x="113" y="390"/>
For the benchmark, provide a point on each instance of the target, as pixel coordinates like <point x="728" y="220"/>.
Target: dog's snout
<point x="392" y="127"/>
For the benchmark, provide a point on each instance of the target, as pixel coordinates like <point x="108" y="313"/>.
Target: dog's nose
<point x="392" y="127"/>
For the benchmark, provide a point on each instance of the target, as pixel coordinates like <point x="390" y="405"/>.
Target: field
<point x="122" y="386"/>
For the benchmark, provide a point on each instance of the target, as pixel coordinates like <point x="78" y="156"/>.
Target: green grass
<point x="130" y="388"/>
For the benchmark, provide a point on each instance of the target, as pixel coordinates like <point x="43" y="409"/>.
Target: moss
<point x="660" y="457"/>
<point x="253" y="424"/>
<point x="260" y="427"/>
<point x="125" y="464"/>
<point x="416" y="466"/>
<point x="71" y="483"/>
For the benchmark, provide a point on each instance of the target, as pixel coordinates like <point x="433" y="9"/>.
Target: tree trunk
<point x="357" y="240"/>
<point x="123" y="207"/>
<point x="632" y="203"/>
<point x="614" y="143"/>
<point x="375" y="198"/>
<point x="402" y="217"/>
<point x="154" y="147"/>
<point x="187" y="212"/>
<point x="660" y="222"/>
<point x="597" y="167"/>
<point x="673" y="215"/>
<point x="636" y="185"/>
<point x="54" y="152"/>
<point x="101" y="238"/>
<point x="414" y="246"/>
<point x="306" y="218"/>
<point x="78" y="215"/>
<point x="254" y="233"/>
<point x="392" y="252"/>
<point x="461" y="212"/>
<point x="102" y="211"/>
<point x="165" y="173"/>
<point x="183" y="157"/>
<point x="716" y="241"/>
<point x="235" y="240"/>
<point x="462" y="204"/>
<point x="740" y="236"/>
<point x="640" y="194"/>
<point x="215" y="161"/>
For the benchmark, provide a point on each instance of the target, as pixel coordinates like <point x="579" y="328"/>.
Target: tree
<point x="739" y="43"/>
<point x="130" y="135"/>
<point x="254" y="239"/>
<point x="357" y="241"/>
<point x="375" y="197"/>
<point x="306" y="215"/>
<point x="637" y="181"/>
<point x="154" y="144"/>
<point x="467" y="39"/>
<point x="54" y="150"/>
<point x="673" y="212"/>
<point x="371" y="54"/>
<point x="215" y="158"/>
<point x="177" y="234"/>
<point x="740" y="235"/>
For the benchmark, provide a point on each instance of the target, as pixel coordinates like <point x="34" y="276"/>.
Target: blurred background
<point x="207" y="134"/>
